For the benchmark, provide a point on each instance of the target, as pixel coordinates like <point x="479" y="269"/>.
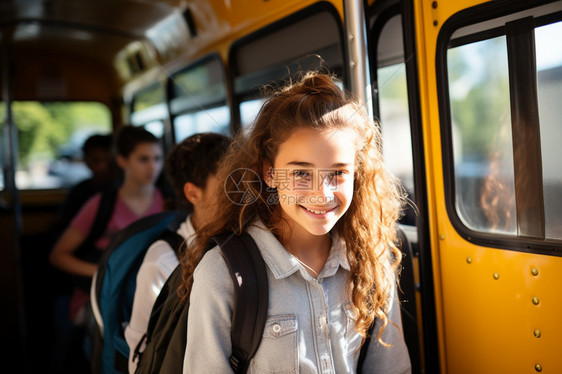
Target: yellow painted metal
<point x="503" y="325"/>
<point x="221" y="22"/>
<point x="487" y="320"/>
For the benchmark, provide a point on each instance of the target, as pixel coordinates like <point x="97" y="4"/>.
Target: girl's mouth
<point x="319" y="212"/>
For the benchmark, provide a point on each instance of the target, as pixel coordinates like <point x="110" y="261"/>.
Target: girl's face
<point x="313" y="173"/>
<point x="144" y="164"/>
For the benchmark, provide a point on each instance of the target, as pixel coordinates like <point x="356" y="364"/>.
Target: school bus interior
<point x="148" y="63"/>
<point x="57" y="55"/>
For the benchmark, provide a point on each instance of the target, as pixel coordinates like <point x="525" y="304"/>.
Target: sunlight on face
<point x="313" y="173"/>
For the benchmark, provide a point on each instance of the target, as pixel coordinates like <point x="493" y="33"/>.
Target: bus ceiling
<point x="122" y="39"/>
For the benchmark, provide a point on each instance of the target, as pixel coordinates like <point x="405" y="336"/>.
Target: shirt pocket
<point x="278" y="349"/>
<point x="352" y="338"/>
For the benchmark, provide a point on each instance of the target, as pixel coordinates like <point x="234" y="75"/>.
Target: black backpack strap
<point x="166" y="290"/>
<point x="87" y="251"/>
<point x="165" y="336"/>
<point x="365" y="347"/>
<point x="249" y="276"/>
<point x="173" y="239"/>
<point x="103" y="215"/>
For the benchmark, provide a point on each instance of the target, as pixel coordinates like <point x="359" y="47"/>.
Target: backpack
<point x="114" y="284"/>
<point x="88" y="250"/>
<point x="166" y="335"/>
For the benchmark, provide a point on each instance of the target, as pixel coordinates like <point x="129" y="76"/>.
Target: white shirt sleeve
<point x="210" y="315"/>
<point x="159" y="262"/>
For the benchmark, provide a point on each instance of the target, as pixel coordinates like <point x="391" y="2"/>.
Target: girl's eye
<point x="339" y="173"/>
<point x="301" y="173"/>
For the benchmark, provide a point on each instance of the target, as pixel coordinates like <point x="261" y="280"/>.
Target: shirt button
<point x="276" y="328"/>
<point x="322" y="321"/>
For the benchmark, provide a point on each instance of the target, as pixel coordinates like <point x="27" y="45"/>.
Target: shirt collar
<point x="187" y="230"/>
<point x="282" y="263"/>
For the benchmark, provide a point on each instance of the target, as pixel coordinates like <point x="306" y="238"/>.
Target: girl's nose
<point x="154" y="165"/>
<point x="324" y="185"/>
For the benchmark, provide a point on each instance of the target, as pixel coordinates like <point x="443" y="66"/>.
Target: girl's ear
<point x="192" y="192"/>
<point x="268" y="174"/>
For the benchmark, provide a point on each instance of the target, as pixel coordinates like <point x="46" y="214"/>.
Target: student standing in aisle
<point x="139" y="155"/>
<point x="191" y="167"/>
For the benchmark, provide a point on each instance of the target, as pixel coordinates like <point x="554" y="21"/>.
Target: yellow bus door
<point x="490" y="79"/>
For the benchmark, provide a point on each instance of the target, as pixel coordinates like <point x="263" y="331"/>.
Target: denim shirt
<point x="310" y="325"/>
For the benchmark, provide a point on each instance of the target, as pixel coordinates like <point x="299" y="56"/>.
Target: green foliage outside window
<point x="47" y="130"/>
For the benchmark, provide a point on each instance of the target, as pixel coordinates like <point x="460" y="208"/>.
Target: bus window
<point x="50" y="138"/>
<point x="156" y="128"/>
<point x="391" y="107"/>
<point x="206" y="120"/>
<point x="149" y="109"/>
<point x="504" y="78"/>
<point x="248" y="112"/>
<point x="549" y="85"/>
<point x="198" y="99"/>
<point x="271" y="55"/>
<point x="149" y="97"/>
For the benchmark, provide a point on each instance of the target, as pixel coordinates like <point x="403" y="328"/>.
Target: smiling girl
<point x="323" y="216"/>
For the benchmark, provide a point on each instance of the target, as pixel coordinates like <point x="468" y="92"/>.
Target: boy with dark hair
<point x="191" y="167"/>
<point x="98" y="156"/>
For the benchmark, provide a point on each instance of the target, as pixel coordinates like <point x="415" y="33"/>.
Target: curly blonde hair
<point x="368" y="227"/>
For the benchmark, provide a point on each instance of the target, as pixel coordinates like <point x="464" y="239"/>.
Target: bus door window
<point x="391" y="111"/>
<point x="549" y="85"/>
<point x="391" y="108"/>
<point x="482" y="146"/>
<point x="504" y="133"/>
